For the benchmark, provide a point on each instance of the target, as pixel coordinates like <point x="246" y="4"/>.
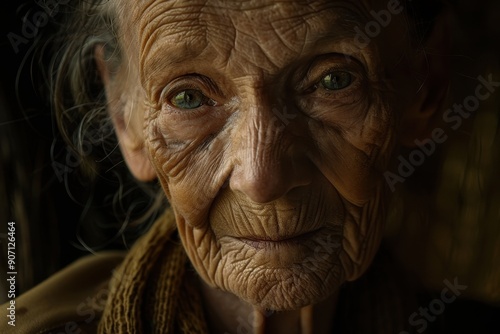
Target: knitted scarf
<point x="149" y="292"/>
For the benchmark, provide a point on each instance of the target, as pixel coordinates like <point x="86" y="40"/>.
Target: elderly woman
<point x="269" y="125"/>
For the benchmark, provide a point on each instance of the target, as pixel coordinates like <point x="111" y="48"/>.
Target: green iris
<point x="188" y="99"/>
<point x="336" y="80"/>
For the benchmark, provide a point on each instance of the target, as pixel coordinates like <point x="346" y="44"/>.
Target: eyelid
<point x="326" y="64"/>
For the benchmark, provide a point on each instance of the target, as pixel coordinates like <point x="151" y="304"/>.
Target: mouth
<point x="262" y="242"/>
<point x="286" y="252"/>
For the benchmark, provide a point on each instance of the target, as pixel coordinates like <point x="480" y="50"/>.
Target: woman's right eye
<point x="189" y="99"/>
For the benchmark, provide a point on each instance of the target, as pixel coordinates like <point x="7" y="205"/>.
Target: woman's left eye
<point x="336" y="80"/>
<point x="189" y="99"/>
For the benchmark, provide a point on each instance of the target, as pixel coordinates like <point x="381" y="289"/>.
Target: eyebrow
<point x="160" y="60"/>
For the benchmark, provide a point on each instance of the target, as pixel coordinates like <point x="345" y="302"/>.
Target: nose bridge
<point x="263" y="161"/>
<point x="264" y="131"/>
<point x="260" y="127"/>
<point x="262" y="142"/>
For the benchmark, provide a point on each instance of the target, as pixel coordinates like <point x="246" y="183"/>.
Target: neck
<point x="228" y="314"/>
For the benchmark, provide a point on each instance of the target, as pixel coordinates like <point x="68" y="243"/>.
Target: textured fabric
<point x="149" y="292"/>
<point x="70" y="301"/>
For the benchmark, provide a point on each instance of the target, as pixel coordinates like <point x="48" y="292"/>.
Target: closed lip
<point x="266" y="241"/>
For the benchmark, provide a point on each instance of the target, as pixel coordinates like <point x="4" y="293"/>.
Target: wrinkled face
<point x="269" y="125"/>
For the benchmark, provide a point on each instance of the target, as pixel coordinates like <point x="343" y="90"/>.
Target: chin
<point x="283" y="275"/>
<point x="294" y="292"/>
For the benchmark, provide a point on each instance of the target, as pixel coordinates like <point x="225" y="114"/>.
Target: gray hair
<point x="78" y="103"/>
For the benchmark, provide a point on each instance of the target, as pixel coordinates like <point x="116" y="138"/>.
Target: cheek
<point x="190" y="164"/>
<point x="353" y="153"/>
<point x="363" y="231"/>
<point x="202" y="249"/>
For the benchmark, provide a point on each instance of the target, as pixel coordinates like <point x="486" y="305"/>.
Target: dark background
<point x="30" y="192"/>
<point x="47" y="215"/>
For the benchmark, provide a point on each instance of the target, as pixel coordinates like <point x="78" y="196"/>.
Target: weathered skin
<point x="272" y="154"/>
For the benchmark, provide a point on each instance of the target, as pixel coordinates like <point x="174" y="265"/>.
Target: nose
<point x="269" y="161"/>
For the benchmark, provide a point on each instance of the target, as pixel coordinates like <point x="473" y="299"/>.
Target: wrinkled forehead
<point x="283" y="8"/>
<point x="251" y="16"/>
<point x="257" y="19"/>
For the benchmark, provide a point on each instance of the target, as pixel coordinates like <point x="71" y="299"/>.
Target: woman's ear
<point x="124" y="96"/>
<point x="432" y="68"/>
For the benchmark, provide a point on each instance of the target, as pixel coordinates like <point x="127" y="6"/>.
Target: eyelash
<point x="315" y="93"/>
<point x="338" y="63"/>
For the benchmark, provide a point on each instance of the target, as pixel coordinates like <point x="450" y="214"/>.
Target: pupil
<point x="188" y="99"/>
<point x="335" y="81"/>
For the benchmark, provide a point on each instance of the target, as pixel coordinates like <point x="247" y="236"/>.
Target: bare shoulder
<point x="68" y="302"/>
